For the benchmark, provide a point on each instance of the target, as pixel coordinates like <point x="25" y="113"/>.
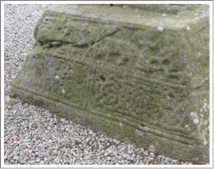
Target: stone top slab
<point x="167" y="16"/>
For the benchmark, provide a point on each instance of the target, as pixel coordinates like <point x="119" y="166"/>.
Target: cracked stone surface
<point x="135" y="74"/>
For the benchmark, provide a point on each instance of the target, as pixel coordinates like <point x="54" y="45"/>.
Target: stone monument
<point x="138" y="73"/>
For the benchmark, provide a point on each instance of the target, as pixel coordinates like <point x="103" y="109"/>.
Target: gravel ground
<point x="32" y="135"/>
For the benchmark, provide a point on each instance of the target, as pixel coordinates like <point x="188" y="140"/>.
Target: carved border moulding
<point x="136" y="73"/>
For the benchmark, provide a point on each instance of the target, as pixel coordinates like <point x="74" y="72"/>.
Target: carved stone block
<point x="137" y="73"/>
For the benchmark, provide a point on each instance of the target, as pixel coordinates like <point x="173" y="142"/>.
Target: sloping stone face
<point x="134" y="73"/>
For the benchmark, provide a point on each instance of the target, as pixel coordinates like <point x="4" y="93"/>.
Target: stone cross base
<point x="138" y="73"/>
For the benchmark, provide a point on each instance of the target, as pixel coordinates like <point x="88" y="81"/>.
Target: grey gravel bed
<point x="32" y="135"/>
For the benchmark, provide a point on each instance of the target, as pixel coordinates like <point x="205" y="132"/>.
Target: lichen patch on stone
<point x="160" y="28"/>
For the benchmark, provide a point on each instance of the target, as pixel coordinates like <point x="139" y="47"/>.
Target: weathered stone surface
<point x="133" y="72"/>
